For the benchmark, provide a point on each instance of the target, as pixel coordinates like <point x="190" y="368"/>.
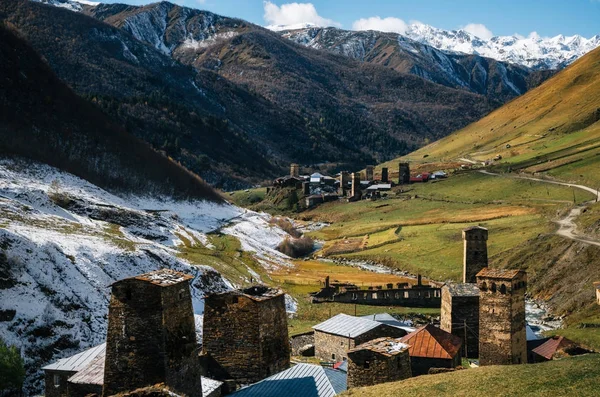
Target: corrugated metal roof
<point x="77" y="362"/>
<point x="551" y="346"/>
<point x="388" y="319"/>
<point x="432" y="342"/>
<point x="302" y="380"/>
<point x="345" y="325"/>
<point x="93" y="373"/>
<point x="463" y="289"/>
<point x="338" y="379"/>
<point x="499" y="273"/>
<point x="209" y="385"/>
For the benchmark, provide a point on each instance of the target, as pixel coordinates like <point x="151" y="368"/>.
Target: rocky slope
<point x="486" y="76"/>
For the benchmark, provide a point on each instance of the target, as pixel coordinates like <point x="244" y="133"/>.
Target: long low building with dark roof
<point x="334" y="337"/>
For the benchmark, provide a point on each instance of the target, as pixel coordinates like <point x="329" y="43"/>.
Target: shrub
<point x="12" y="370"/>
<point x="296" y="247"/>
<point x="285" y="225"/>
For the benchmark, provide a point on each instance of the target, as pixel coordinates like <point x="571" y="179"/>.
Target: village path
<point x="566" y="226"/>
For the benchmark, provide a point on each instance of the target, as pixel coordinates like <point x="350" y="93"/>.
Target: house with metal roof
<point x="83" y="374"/>
<point x="302" y="380"/>
<point x="556" y="346"/>
<point x="334" y="337"/>
<point x="388" y="319"/>
<point x="431" y="347"/>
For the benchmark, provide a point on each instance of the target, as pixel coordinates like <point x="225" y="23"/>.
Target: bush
<point x="296" y="247"/>
<point x="12" y="371"/>
<point x="286" y="226"/>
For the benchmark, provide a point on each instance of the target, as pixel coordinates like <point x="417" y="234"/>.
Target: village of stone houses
<point x="281" y="199"/>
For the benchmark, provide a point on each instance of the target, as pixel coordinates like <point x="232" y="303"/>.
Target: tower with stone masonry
<point x="502" y="332"/>
<point x="245" y="334"/>
<point x="384" y="175"/>
<point x="295" y="170"/>
<point x="475" y="252"/>
<point x="355" y="192"/>
<point x="460" y="315"/>
<point x="151" y="335"/>
<point x="370" y="170"/>
<point x="344" y="179"/>
<point x="403" y="174"/>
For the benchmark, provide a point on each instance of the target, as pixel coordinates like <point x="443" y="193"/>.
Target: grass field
<point x="576" y="376"/>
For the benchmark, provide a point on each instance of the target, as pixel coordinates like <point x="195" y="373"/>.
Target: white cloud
<point x="293" y="14"/>
<point x="389" y="24"/>
<point x="479" y="30"/>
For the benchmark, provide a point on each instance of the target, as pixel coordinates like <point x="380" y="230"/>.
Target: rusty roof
<point x="549" y="348"/>
<point x="386" y="346"/>
<point x="499" y="273"/>
<point x="432" y="342"/>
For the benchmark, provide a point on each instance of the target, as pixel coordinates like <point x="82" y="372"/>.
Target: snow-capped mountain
<point x="73" y="5"/>
<point x="534" y="51"/>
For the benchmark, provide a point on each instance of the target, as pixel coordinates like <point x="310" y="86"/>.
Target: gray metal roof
<point x="302" y="380"/>
<point x="92" y="374"/>
<point x="338" y="379"/>
<point x="77" y="362"/>
<point x="388" y="319"/>
<point x="345" y="325"/>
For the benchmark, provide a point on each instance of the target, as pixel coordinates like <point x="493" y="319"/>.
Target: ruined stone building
<point x="378" y="361"/>
<point x="460" y="315"/>
<point x="334" y="337"/>
<point x="245" y="334"/>
<point x="151" y="335"/>
<point x="403" y="174"/>
<point x="431" y="347"/>
<point x="502" y="333"/>
<point x="475" y="255"/>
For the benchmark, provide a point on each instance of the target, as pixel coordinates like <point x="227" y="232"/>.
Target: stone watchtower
<point x="502" y="334"/>
<point x="384" y="175"/>
<point x="370" y="171"/>
<point x="460" y="315"/>
<point x="344" y="179"/>
<point x="151" y="335"/>
<point x="475" y="254"/>
<point x="378" y="361"/>
<point x="355" y="192"/>
<point x="403" y="174"/>
<point x="295" y="170"/>
<point x="245" y="336"/>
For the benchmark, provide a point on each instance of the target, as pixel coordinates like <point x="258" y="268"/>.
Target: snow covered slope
<point x="63" y="241"/>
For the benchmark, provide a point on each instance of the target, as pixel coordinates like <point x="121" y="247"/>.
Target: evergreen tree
<point x="12" y="370"/>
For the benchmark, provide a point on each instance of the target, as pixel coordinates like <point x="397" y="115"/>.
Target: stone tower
<point x="502" y="334"/>
<point x="475" y="252"/>
<point x="384" y="175"/>
<point x="460" y="315"/>
<point x="295" y="170"/>
<point x="355" y="192"/>
<point x="344" y="179"/>
<point x="370" y="171"/>
<point x="378" y="361"/>
<point x="151" y="335"/>
<point x="245" y="336"/>
<point x="403" y="174"/>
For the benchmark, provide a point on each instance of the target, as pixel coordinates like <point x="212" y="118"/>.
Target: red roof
<point x="431" y="342"/>
<point x="549" y="348"/>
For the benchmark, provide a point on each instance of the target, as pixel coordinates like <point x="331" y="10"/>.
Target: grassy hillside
<point x="577" y="376"/>
<point x="553" y="129"/>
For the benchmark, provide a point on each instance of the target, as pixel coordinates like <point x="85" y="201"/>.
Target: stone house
<point x="245" y="334"/>
<point x="334" y="337"/>
<point x="431" y="347"/>
<point x="502" y="327"/>
<point x="378" y="361"/>
<point x="460" y="315"/>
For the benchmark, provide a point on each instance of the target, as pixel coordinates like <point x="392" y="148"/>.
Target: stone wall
<point x="422" y="365"/>
<point x="82" y="390"/>
<point x="246" y="339"/>
<point x="367" y="368"/>
<point x="456" y="310"/>
<point x="54" y="390"/>
<point x="410" y="297"/>
<point x="297" y="342"/>
<point x="502" y="334"/>
<point x="329" y="347"/>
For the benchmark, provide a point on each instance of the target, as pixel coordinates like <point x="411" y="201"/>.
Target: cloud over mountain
<point x="389" y="24"/>
<point x="295" y="14"/>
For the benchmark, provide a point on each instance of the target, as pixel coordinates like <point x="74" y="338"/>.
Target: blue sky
<point x="500" y="17"/>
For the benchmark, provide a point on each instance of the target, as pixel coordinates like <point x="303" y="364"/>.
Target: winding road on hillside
<point x="567" y="227"/>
